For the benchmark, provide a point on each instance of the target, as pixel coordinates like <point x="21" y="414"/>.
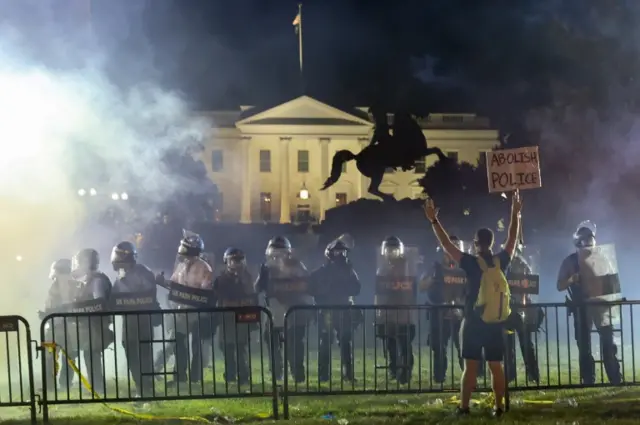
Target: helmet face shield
<point x="236" y="263"/>
<point x="585" y="235"/>
<point x="393" y="252"/>
<point x="275" y="252"/>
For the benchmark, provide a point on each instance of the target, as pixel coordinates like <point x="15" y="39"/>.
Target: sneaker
<point x="462" y="412"/>
<point x="497" y="413"/>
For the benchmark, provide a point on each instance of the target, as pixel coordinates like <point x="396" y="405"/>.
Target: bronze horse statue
<point x="401" y="150"/>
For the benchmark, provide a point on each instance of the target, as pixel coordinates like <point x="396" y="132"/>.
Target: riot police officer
<point x="444" y="285"/>
<point x="134" y="290"/>
<point x="585" y="284"/>
<point x="283" y="279"/>
<point x="336" y="283"/>
<point x="62" y="295"/>
<point x="396" y="285"/>
<point x="193" y="276"/>
<point x="94" y="332"/>
<point x="234" y="288"/>
<point x="524" y="321"/>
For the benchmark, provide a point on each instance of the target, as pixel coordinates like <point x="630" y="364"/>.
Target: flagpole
<point x="300" y="35"/>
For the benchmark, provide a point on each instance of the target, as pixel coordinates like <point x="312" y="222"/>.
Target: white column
<point x="325" y="171"/>
<point x="285" y="189"/>
<point x="245" y="203"/>
<point x="363" y="182"/>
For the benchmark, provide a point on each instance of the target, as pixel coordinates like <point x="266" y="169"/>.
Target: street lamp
<point x="93" y="192"/>
<point x="124" y="196"/>
<point x="82" y="192"/>
<point x="304" y="193"/>
<point x="18" y="257"/>
<point x="115" y="196"/>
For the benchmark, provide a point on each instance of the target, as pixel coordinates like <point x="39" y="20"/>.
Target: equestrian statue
<point x="401" y="150"/>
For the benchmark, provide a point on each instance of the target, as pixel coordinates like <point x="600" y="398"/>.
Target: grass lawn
<point x="593" y="406"/>
<point x="557" y="362"/>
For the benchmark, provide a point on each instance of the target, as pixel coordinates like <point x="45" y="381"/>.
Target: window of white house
<point x="341" y="199"/>
<point x="265" y="161"/>
<point x="303" y="161"/>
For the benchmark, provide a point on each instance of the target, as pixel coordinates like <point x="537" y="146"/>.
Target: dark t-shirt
<point x="469" y="264"/>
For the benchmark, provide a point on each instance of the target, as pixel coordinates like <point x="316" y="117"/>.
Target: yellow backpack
<point x="492" y="304"/>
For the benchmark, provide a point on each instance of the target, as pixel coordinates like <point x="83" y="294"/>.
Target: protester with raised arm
<point x="486" y="302"/>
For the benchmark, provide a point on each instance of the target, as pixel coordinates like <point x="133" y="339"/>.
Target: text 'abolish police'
<point x="514" y="169"/>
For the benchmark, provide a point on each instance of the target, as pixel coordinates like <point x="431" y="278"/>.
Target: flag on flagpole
<point x="297" y="21"/>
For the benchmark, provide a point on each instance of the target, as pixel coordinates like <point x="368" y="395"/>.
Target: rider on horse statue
<point x="406" y="130"/>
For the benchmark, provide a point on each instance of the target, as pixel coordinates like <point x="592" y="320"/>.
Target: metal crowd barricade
<point x="164" y="363"/>
<point x="16" y="378"/>
<point x="390" y="351"/>
<point x="371" y="330"/>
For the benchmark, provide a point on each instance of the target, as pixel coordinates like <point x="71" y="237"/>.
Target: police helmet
<point x="85" y="260"/>
<point x="278" y="246"/>
<point x="392" y="247"/>
<point x="336" y="250"/>
<point x="585" y="235"/>
<point x="123" y="254"/>
<point x="191" y="244"/>
<point x="60" y="267"/>
<point x="234" y="258"/>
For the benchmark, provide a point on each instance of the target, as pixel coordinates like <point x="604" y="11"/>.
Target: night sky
<point x="498" y="58"/>
<point x="356" y="52"/>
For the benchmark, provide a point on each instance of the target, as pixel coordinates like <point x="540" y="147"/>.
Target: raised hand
<point x="430" y="210"/>
<point x="516" y="201"/>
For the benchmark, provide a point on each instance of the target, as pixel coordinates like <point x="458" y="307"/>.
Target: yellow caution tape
<point x="52" y="346"/>
<point x="489" y="401"/>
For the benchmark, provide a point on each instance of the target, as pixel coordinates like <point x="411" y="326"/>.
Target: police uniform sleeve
<point x="263" y="279"/>
<point x="101" y="286"/>
<point x="149" y="279"/>
<point x="315" y="281"/>
<point x="567" y="269"/>
<point x="354" y="284"/>
<point x="53" y="298"/>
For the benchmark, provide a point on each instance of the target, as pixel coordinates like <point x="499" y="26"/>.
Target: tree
<point x="460" y="192"/>
<point x="196" y="197"/>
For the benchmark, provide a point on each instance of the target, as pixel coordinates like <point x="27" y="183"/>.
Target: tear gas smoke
<point x="63" y="130"/>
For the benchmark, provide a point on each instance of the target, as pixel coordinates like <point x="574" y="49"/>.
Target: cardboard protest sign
<point x="512" y="169"/>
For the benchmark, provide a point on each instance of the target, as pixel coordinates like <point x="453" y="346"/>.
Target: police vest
<point x="287" y="286"/>
<point x="192" y="297"/>
<point x="245" y="308"/>
<point x="453" y="284"/>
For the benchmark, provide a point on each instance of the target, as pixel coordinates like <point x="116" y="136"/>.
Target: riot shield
<point x="396" y="285"/>
<point x="598" y="268"/>
<point x="396" y="278"/>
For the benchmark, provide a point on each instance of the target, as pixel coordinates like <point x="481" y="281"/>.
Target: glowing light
<point x="18" y="257"/>
<point x="82" y="192"/>
<point x="503" y="195"/>
<point x="467" y="211"/>
<point x="304" y="193"/>
<point x="115" y="196"/>
<point x="124" y="196"/>
<point x="93" y="192"/>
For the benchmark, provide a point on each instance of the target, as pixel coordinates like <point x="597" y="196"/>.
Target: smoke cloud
<point x="65" y="125"/>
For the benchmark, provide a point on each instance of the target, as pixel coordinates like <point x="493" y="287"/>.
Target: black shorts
<point x="475" y="335"/>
